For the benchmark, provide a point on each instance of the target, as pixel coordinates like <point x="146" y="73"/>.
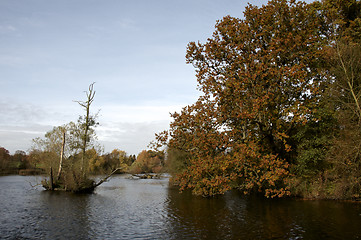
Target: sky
<point x="134" y="51"/>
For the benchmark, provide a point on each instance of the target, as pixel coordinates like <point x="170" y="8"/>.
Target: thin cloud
<point x="20" y="137"/>
<point x="19" y="113"/>
<point x="128" y="136"/>
<point x="127" y="24"/>
<point x="131" y="113"/>
<point x="11" y="60"/>
<point x="7" y="29"/>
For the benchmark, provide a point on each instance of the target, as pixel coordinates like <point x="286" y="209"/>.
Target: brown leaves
<point x="259" y="77"/>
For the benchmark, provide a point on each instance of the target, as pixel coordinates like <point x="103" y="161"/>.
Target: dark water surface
<point x="149" y="209"/>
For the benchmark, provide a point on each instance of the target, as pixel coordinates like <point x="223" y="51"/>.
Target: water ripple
<point x="149" y="209"/>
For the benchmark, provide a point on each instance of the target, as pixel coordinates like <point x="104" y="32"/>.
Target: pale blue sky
<point x="50" y="51"/>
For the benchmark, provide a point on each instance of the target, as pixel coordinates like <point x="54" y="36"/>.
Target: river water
<point x="149" y="209"/>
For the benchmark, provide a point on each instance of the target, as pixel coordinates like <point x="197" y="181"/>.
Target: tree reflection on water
<point x="150" y="209"/>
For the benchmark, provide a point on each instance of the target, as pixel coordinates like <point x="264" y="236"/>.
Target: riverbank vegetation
<point x="280" y="108"/>
<point x="39" y="160"/>
<point x="18" y="163"/>
<point x="42" y="157"/>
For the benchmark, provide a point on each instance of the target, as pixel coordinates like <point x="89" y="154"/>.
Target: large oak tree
<point x="261" y="77"/>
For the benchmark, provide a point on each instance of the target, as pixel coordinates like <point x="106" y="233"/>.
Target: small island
<point x="69" y="156"/>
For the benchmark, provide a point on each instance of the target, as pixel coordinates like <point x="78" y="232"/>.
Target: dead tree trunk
<point x="51" y="185"/>
<point x="61" y="157"/>
<point x="106" y="178"/>
<point x="88" y="122"/>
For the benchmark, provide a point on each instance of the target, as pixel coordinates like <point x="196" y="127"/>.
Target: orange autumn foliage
<point x="260" y="77"/>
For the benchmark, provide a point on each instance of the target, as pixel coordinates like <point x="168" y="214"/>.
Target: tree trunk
<point x="51" y="185"/>
<point x="349" y="77"/>
<point x="90" y="98"/>
<point x="83" y="164"/>
<point x="61" y="157"/>
<point x="106" y="178"/>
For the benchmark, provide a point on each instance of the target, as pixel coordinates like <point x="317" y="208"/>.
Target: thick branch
<point x="106" y="178"/>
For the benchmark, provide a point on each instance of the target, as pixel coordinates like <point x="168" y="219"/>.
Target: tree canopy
<point x="266" y="81"/>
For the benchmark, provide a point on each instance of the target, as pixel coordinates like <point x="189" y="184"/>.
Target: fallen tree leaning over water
<point x="146" y="176"/>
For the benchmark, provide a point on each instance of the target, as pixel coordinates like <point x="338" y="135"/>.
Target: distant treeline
<point x="38" y="162"/>
<point x="16" y="163"/>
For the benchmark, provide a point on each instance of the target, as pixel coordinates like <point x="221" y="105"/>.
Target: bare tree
<point x="87" y="123"/>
